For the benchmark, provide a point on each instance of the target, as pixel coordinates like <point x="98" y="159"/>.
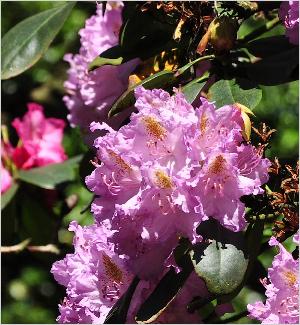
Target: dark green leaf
<point x="193" y="88"/>
<point x="8" y="195"/>
<point x="226" y="92"/>
<point x="276" y="69"/>
<point x="144" y="35"/>
<point x="36" y="222"/>
<point x="186" y="67"/>
<point x="158" y="80"/>
<point x="162" y="296"/>
<point x="25" y="43"/>
<point x="269" y="46"/>
<point x="118" y="313"/>
<point x="49" y="176"/>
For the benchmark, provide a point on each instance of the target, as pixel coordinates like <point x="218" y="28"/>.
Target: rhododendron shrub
<point x="168" y="212"/>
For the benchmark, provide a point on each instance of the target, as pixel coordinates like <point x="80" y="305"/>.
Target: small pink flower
<point x="41" y="139"/>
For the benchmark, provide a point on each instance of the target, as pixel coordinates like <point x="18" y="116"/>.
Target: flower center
<point x="154" y="128"/>
<point x="111" y="269"/>
<point x="218" y="165"/>
<point x="203" y="123"/>
<point x="163" y="180"/>
<point x="290" y="277"/>
<point x="119" y="161"/>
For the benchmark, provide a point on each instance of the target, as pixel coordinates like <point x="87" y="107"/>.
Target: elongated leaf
<point x="193" y="88"/>
<point x="49" y="176"/>
<point x="161" y="79"/>
<point x="226" y="92"/>
<point x="8" y="195"/>
<point x="118" y="313"/>
<point x="162" y="296"/>
<point x="24" y="44"/>
<point x="275" y="69"/>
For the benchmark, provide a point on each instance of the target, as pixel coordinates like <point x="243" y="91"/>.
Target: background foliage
<point x="27" y="284"/>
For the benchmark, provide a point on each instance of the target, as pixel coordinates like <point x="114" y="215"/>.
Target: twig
<point x="16" y="248"/>
<point x="49" y="248"/>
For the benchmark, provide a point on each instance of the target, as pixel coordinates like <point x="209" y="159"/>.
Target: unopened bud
<point x="223" y="33"/>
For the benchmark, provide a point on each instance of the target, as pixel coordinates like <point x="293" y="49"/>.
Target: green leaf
<point x="49" y="176"/>
<point x="253" y="238"/>
<point x="24" y="44"/>
<point x="222" y="267"/>
<point x="193" y="88"/>
<point x="35" y="220"/>
<point x="269" y="46"/>
<point x="163" y="295"/>
<point x="160" y="79"/>
<point x="145" y="35"/>
<point x="118" y="313"/>
<point x="226" y="92"/>
<point x="275" y="69"/>
<point x="8" y="195"/>
<point x="221" y="260"/>
<point x="186" y="67"/>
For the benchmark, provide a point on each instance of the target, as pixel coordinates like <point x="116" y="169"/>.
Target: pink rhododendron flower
<point x="41" y="139"/>
<point x="6" y="179"/>
<point x="282" y="291"/>
<point x="95" y="277"/>
<point x="170" y="168"/>
<point x="91" y="94"/>
<point x="289" y="14"/>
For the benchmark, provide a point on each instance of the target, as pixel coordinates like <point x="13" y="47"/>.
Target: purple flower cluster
<point x="282" y="290"/>
<point x="289" y="14"/>
<point x="90" y="94"/>
<point x="168" y="169"/>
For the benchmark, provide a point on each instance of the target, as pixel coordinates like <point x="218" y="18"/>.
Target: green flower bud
<point x="223" y="33"/>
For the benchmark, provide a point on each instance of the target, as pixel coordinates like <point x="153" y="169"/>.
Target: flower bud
<point x="223" y="33"/>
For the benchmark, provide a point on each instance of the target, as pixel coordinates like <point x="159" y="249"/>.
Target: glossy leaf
<point x="49" y="176"/>
<point x="269" y="46"/>
<point x="118" y="313"/>
<point x="24" y="44"/>
<point x="8" y="195"/>
<point x="162" y="296"/>
<point x="275" y="69"/>
<point x="161" y="79"/>
<point x="226" y="92"/>
<point x="193" y="88"/>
